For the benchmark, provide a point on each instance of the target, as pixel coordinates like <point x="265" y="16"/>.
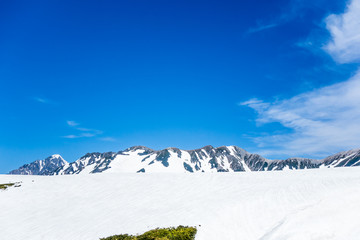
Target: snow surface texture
<point x="207" y="159"/>
<point x="278" y="205"/>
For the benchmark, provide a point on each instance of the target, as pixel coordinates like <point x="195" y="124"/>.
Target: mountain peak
<point x="207" y="147"/>
<point x="139" y="147"/>
<point x="41" y="167"/>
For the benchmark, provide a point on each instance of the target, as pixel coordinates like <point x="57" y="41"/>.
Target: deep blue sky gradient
<point x="154" y="73"/>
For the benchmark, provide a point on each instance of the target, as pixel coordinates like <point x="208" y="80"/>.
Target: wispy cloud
<point x="292" y="11"/>
<point x="72" y="123"/>
<point x="71" y="136"/>
<point x="95" y="131"/>
<point x="42" y="100"/>
<point x="324" y="120"/>
<point x="81" y="132"/>
<point x="344" y="45"/>
<point x="108" y="139"/>
<point x="260" y="28"/>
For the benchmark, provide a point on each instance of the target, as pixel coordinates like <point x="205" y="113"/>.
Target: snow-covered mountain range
<point x="207" y="159"/>
<point x="41" y="167"/>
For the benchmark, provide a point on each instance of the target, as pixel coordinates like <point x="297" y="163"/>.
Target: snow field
<point x="292" y="205"/>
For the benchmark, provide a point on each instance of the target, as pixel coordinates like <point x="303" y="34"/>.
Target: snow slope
<point x="277" y="205"/>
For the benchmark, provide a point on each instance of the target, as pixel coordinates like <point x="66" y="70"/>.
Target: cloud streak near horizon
<point x="325" y="120"/>
<point x="82" y="132"/>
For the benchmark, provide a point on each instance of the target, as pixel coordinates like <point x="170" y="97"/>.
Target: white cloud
<point x="323" y="121"/>
<point x="83" y="129"/>
<point x="70" y="136"/>
<point x="345" y="34"/>
<point x="108" y="139"/>
<point x="41" y="100"/>
<point x="82" y="132"/>
<point x="95" y="131"/>
<point x="293" y="10"/>
<point x="88" y="134"/>
<point x="72" y="123"/>
<point x="262" y="27"/>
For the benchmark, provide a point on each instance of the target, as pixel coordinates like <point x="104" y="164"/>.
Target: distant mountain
<point x="41" y="167"/>
<point x="207" y="159"/>
<point x="343" y="159"/>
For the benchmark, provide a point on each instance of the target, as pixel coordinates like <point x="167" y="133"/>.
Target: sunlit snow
<point x="301" y="204"/>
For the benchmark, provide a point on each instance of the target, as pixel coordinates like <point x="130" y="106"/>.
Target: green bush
<point x="179" y="233"/>
<point x="6" y="185"/>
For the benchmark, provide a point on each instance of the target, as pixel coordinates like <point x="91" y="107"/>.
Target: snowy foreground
<point x="303" y="204"/>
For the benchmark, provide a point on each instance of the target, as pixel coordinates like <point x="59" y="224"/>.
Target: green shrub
<point x="6" y="185"/>
<point x="179" y="233"/>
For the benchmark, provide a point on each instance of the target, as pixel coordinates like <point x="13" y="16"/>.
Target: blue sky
<point x="277" y="78"/>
